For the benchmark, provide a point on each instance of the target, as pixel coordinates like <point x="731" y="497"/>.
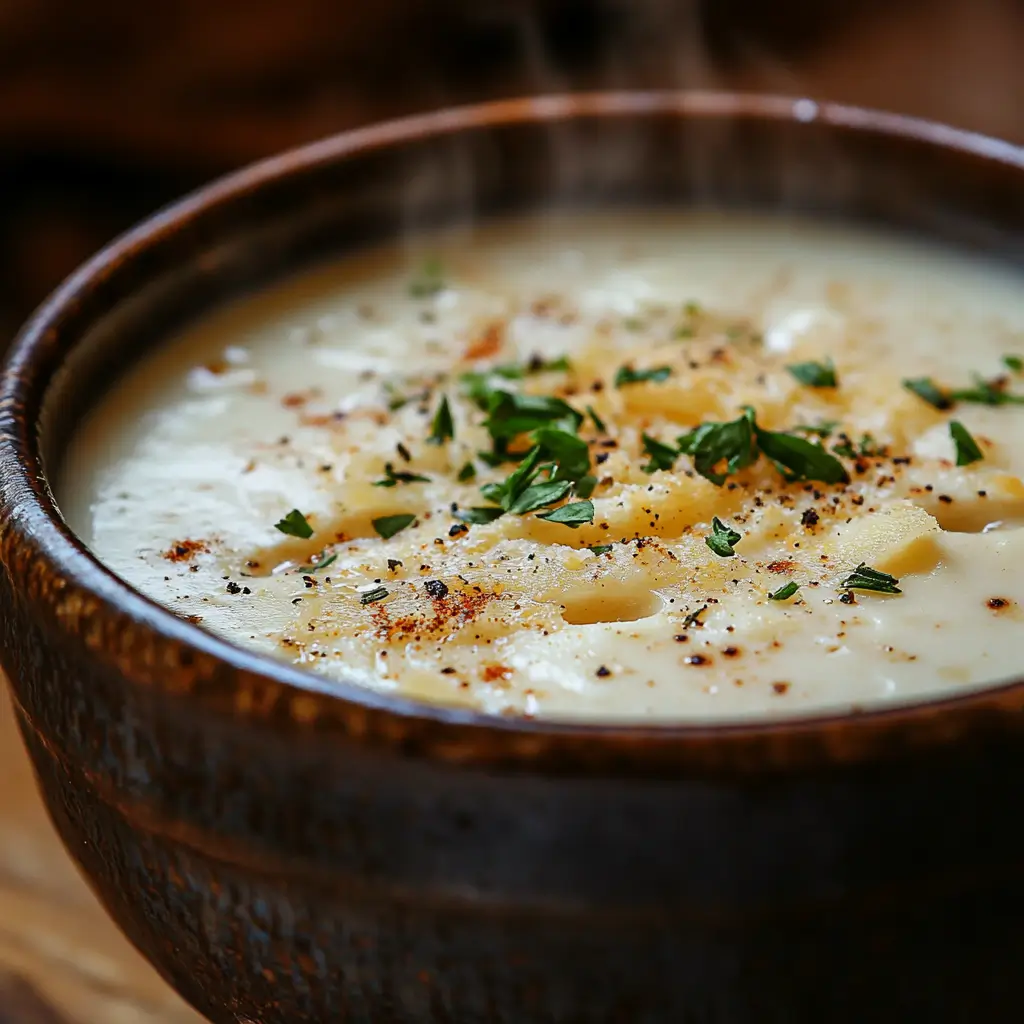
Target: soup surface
<point x="646" y="466"/>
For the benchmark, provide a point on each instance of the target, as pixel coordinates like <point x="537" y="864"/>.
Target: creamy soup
<point x="656" y="466"/>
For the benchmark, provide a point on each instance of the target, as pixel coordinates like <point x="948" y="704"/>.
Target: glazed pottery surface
<point x="285" y="851"/>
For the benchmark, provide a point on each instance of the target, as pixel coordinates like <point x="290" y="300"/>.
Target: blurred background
<point x="110" y="108"/>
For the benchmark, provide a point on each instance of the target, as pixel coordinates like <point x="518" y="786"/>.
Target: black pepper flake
<point x="848" y="598"/>
<point x="681" y="638"/>
<point x="945" y="499"/>
<point x="603" y="672"/>
<point x="997" y="603"/>
<point x="403" y="451"/>
<point x="457" y="529"/>
<point x="809" y="518"/>
<point x="394" y="565"/>
<point x="696" y="659"/>
<point x="448" y="671"/>
<point x="233" y="588"/>
<point x="435" y="588"/>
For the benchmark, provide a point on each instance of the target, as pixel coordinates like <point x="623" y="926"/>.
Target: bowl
<point x="284" y="849"/>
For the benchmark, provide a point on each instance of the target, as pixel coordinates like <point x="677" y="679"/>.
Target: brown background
<point x="110" y="108"/>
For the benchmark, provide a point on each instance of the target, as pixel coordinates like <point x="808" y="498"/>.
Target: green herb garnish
<point x="443" y="427"/>
<point x="722" y="539"/>
<point x="627" y="375"/>
<point x="714" y="443"/>
<point x="662" y="456"/>
<point x="584" y="487"/>
<point x="865" y="578"/>
<point x="986" y="392"/>
<point x="391" y="478"/>
<point x="814" y="374"/>
<point x="967" y="450"/>
<point x="569" y="452"/>
<point x="824" y="429"/>
<point x="539" y="496"/>
<point x="321" y="563"/>
<point x="573" y="515"/>
<point x="468" y="472"/>
<point x="785" y="592"/>
<point x="602" y="549"/>
<point x="927" y="390"/>
<point x="478" y="516"/>
<point x="295" y="525"/>
<point x="1014" y="363"/>
<point x="388" y="526"/>
<point x="510" y="415"/>
<point x="429" y="279"/>
<point x="377" y="594"/>
<point x="598" y="422"/>
<point x="801" y="459"/>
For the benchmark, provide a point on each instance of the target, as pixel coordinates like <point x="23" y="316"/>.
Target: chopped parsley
<point x="479" y="516"/>
<point x="468" y="472"/>
<point x="814" y="374"/>
<point x="478" y="384"/>
<point x="295" y="525"/>
<point x="1014" y="363"/>
<point x="598" y="422"/>
<point x="539" y="496"/>
<point x="627" y="375"/>
<point x="785" y="592"/>
<point x="377" y="594"/>
<point x="714" y="443"/>
<point x="443" y="428"/>
<point x="739" y="442"/>
<point x="602" y="549"/>
<point x="319" y="563"/>
<point x="722" y="539"/>
<point x="927" y="390"/>
<point x="388" y="526"/>
<point x="824" y="429"/>
<point x="584" y="487"/>
<point x="573" y="515"/>
<point x="509" y="415"/>
<point x="967" y="450"/>
<point x="866" y="578"/>
<point x="428" y="280"/>
<point x="568" y="451"/>
<point x="391" y="478"/>
<point x="662" y="456"/>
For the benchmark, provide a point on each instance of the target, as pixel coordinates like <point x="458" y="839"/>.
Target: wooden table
<point x="62" y="961"/>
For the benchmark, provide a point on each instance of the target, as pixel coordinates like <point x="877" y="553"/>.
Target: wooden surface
<point x="62" y="961"/>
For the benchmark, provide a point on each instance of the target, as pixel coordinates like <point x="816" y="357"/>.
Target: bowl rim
<point x="301" y="699"/>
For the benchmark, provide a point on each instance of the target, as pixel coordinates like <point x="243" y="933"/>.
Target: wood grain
<point x="62" y="961"/>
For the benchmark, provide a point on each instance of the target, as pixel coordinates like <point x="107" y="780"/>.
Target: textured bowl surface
<point x="284" y="853"/>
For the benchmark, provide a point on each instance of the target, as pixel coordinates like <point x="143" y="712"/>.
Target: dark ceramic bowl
<point x="283" y="851"/>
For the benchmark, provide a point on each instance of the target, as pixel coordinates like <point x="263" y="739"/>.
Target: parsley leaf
<point x="722" y="539"/>
<point x="927" y="390"/>
<point x="468" y="472"/>
<point x="443" y="428"/>
<point x="602" y="549"/>
<point x="573" y="515"/>
<point x="510" y="415"/>
<point x="823" y="429"/>
<point x="627" y="375"/>
<point x="570" y="452"/>
<point x="987" y="392"/>
<point x="584" y="487"/>
<point x="967" y="450"/>
<point x="803" y="459"/>
<point x="391" y="477"/>
<point x="377" y="594"/>
<point x="388" y="526"/>
<point x="663" y="456"/>
<point x="1014" y="363"/>
<point x="598" y="422"/>
<point x="538" y="496"/>
<point x="865" y="578"/>
<point x="713" y="443"/>
<point x="785" y="592"/>
<point x="429" y="279"/>
<point x="320" y="563"/>
<point x="814" y="374"/>
<point x="505" y="493"/>
<point x="479" y="516"/>
<point x="295" y="525"/>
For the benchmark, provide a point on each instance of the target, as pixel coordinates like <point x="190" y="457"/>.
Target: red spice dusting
<point x="782" y="566"/>
<point x="780" y="688"/>
<point x="487" y="343"/>
<point x="492" y="673"/>
<point x="446" y="615"/>
<point x="186" y="550"/>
